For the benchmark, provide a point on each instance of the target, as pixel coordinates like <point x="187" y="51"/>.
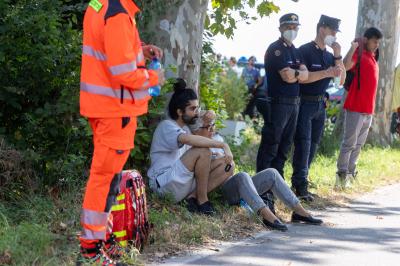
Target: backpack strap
<point x="358" y="65"/>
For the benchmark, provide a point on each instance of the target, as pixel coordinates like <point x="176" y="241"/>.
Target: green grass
<point x="41" y="229"/>
<point x="376" y="166"/>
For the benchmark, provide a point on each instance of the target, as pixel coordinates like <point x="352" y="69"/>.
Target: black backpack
<point x="351" y="73"/>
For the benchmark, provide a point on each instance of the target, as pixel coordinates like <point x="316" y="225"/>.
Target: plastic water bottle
<point x="155" y="65"/>
<point x="246" y="206"/>
<point x="336" y="81"/>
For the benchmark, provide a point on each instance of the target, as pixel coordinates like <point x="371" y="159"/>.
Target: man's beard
<point x="189" y="120"/>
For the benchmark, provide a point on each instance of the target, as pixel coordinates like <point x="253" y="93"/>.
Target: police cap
<point x="332" y="23"/>
<point x="290" y="18"/>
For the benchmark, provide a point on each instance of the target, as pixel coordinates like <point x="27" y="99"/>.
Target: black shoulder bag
<point x="350" y="73"/>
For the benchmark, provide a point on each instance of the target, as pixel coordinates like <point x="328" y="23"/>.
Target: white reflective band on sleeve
<point x="115" y="93"/>
<point x="124" y="68"/>
<point x="87" y="50"/>
<point x="146" y="74"/>
<point x="140" y="56"/>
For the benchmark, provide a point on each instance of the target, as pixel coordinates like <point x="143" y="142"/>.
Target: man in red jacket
<point x="359" y="105"/>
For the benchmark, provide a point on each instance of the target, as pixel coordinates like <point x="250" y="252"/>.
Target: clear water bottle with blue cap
<point x="246" y="206"/>
<point x="155" y="65"/>
<point x="250" y="211"/>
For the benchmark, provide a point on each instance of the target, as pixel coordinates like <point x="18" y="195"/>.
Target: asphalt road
<point x="366" y="232"/>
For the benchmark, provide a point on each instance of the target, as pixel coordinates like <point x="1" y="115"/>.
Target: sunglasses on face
<point x="210" y="127"/>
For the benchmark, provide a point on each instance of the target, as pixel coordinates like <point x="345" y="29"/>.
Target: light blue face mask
<point x="290" y="35"/>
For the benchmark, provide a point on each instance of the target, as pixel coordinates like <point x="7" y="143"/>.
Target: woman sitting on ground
<point x="242" y="186"/>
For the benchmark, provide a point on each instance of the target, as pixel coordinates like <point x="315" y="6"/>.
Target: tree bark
<point x="178" y="31"/>
<point x="385" y="16"/>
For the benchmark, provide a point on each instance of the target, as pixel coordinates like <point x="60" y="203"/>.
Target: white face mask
<point x="290" y="35"/>
<point x="329" y="40"/>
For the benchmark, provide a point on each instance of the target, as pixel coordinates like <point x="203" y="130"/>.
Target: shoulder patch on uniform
<point x="114" y="8"/>
<point x="277" y="52"/>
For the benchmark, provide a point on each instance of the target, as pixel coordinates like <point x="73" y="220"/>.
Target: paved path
<point x="365" y="233"/>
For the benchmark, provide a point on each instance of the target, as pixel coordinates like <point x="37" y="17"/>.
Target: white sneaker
<point x="352" y="176"/>
<point x="347" y="182"/>
<point x="340" y="181"/>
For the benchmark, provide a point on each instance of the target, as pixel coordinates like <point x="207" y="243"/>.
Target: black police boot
<point x="303" y="194"/>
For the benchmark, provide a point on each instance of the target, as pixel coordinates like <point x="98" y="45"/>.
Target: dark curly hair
<point x="181" y="97"/>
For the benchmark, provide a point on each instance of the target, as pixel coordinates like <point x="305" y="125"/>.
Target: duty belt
<point x="312" y="98"/>
<point x="284" y="100"/>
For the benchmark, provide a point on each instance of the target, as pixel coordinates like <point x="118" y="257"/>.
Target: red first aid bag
<point x="130" y="216"/>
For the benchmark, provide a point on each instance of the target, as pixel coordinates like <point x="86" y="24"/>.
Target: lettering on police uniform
<point x="316" y="65"/>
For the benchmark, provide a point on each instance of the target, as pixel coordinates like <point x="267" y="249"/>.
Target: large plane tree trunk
<point x="178" y="29"/>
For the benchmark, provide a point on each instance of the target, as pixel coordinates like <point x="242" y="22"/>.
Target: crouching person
<point x="181" y="163"/>
<point x="242" y="186"/>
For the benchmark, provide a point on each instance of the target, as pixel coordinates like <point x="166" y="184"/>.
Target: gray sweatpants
<point x="242" y="186"/>
<point x="356" y="127"/>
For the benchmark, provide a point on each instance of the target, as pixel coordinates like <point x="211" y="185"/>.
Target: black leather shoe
<point x="191" y="205"/>
<point x="297" y="218"/>
<point x="206" y="208"/>
<point x="276" y="225"/>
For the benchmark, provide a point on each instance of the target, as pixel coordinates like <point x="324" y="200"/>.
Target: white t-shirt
<point x="217" y="137"/>
<point x="165" y="147"/>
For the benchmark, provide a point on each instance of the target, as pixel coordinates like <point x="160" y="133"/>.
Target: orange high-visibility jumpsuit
<point x="113" y="92"/>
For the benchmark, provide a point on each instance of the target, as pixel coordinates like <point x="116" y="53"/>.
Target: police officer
<point x="285" y="69"/>
<point x="322" y="66"/>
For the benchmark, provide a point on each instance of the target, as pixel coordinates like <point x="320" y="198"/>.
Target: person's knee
<point x="243" y="178"/>
<point x="203" y="152"/>
<point x="273" y="174"/>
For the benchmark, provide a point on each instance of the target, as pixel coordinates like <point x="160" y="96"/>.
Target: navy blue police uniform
<point x="282" y="104"/>
<point x="311" y="118"/>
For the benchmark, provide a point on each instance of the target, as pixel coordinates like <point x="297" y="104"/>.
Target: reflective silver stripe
<point x="140" y="94"/>
<point x="105" y="91"/>
<point x="124" y="68"/>
<point x="140" y="56"/>
<point x="115" y="93"/>
<point x="146" y="75"/>
<point x="146" y="83"/>
<point x="92" y="235"/>
<point x="94" y="217"/>
<point x="87" y="50"/>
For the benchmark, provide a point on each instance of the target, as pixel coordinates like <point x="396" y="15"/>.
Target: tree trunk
<point x="178" y="31"/>
<point x="385" y="16"/>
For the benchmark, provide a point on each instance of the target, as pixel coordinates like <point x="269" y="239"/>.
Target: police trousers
<point x="277" y="135"/>
<point x="310" y="128"/>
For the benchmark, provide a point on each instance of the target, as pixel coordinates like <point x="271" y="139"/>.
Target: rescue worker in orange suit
<point x="113" y="93"/>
